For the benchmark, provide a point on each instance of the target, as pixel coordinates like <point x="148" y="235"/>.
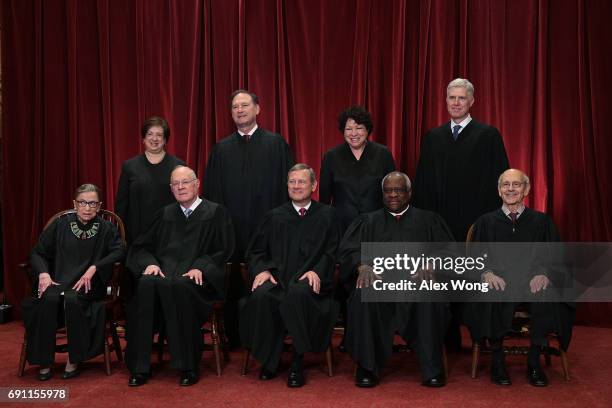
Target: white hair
<point x="397" y="173"/>
<point x="461" y="83"/>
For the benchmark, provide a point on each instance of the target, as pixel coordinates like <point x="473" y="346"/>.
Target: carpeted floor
<point x="590" y="360"/>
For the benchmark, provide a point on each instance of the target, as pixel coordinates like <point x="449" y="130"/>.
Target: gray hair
<point x="87" y="188"/>
<point x="180" y="166"/>
<point x="303" y="166"/>
<point x="397" y="173"/>
<point x="523" y="176"/>
<point x="461" y="83"/>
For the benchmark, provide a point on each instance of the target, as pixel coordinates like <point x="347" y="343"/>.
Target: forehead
<point x="299" y="174"/>
<point x="155" y="129"/>
<point x="395" y="181"/>
<point x="88" y="196"/>
<point x="181" y="173"/>
<point x="242" y="98"/>
<point x="457" y="91"/>
<point x="511" y="176"/>
<point x="351" y="122"/>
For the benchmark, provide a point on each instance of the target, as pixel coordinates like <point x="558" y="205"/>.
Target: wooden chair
<point x="520" y="324"/>
<point x="329" y="354"/>
<point x="111" y="302"/>
<point x="217" y="330"/>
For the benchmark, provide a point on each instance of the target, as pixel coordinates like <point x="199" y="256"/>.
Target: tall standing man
<point x="457" y="172"/>
<point x="247" y="173"/>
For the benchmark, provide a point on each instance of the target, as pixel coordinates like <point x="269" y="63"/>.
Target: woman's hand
<point x="44" y="281"/>
<point x="85" y="281"/>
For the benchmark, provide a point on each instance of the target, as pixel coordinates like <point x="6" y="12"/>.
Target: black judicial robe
<point x="249" y="178"/>
<point x="177" y="244"/>
<point x="288" y="245"/>
<point x="353" y="186"/>
<point x="372" y="326"/>
<point x="494" y="320"/>
<point x="66" y="258"/>
<point x="144" y="189"/>
<point x="458" y="179"/>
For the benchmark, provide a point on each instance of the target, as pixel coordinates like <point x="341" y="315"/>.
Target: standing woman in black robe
<point x="143" y="184"/>
<point x="72" y="264"/>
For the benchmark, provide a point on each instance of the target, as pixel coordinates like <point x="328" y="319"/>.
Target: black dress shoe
<point x="499" y="375"/>
<point x="45" y="376"/>
<point x="435" y="382"/>
<point x="296" y="379"/>
<point x="266" y="375"/>
<point x="365" y="378"/>
<point x="138" y="379"/>
<point x="188" y="378"/>
<point x="536" y="376"/>
<point x="66" y="375"/>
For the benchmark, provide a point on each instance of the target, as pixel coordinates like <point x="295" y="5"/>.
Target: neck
<point x="514" y="207"/>
<point x="188" y="204"/>
<point x="83" y="221"/>
<point x="155" y="157"/>
<point x="247" y="128"/>
<point x="302" y="203"/>
<point x="357" y="152"/>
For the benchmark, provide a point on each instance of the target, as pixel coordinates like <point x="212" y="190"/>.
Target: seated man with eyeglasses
<point x="291" y="266"/>
<point x="180" y="267"/>
<point x="371" y="326"/>
<point x="72" y="263"/>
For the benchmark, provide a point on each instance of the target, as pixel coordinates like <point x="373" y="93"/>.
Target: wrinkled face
<point x="87" y="205"/>
<point x="512" y="188"/>
<point x="299" y="185"/>
<point x="396" y="194"/>
<point x="244" y="111"/>
<point x="184" y="186"/>
<point x="154" y="141"/>
<point x="458" y="103"/>
<point x="355" y="134"/>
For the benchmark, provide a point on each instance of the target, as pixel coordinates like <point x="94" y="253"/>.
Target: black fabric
<point x="372" y="326"/>
<point x="494" y="320"/>
<point x="458" y="179"/>
<point x="354" y="186"/>
<point x="144" y="189"/>
<point x="66" y="258"/>
<point x="177" y="244"/>
<point x="288" y="245"/>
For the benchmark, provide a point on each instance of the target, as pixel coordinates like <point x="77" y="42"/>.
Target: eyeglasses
<point x="514" y="184"/>
<point x="299" y="182"/>
<point x="396" y="190"/>
<point x="90" y="204"/>
<point x="177" y="184"/>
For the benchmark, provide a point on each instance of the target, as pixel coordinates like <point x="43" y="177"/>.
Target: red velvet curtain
<point x="80" y="76"/>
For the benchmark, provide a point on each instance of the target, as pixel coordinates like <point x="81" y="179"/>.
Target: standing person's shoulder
<point x="174" y="161"/>
<point x="269" y="137"/>
<point x="480" y="127"/>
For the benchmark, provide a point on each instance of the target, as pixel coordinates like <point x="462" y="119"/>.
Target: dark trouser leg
<point x="452" y="339"/>
<point x="40" y="317"/>
<point x="84" y="326"/>
<point x="234" y="292"/>
<point x="261" y="326"/>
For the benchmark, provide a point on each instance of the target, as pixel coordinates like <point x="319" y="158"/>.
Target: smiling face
<point x="184" y="184"/>
<point x="512" y="187"/>
<point x="300" y="186"/>
<point x="86" y="205"/>
<point x="244" y="111"/>
<point x="396" y="194"/>
<point x="458" y="103"/>
<point x="355" y="134"/>
<point x="154" y="140"/>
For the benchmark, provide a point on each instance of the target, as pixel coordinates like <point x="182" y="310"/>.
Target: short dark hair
<point x="87" y="188"/>
<point x="244" y="91"/>
<point x="359" y="115"/>
<point x="155" y="121"/>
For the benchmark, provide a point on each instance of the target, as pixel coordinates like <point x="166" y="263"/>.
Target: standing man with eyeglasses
<point x="247" y="173"/>
<point x="457" y="171"/>
<point x="179" y="266"/>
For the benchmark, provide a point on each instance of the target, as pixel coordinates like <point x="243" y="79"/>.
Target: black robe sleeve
<point x="142" y="250"/>
<point x="43" y="253"/>
<point x="115" y="249"/>
<point x="349" y="253"/>
<point x="326" y="180"/>
<point x="123" y="194"/>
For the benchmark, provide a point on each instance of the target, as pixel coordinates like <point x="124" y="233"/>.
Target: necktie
<point x="247" y="137"/>
<point x="188" y="212"/>
<point x="456" y="129"/>
<point x="513" y="216"/>
<point x="398" y="216"/>
<point x="302" y="212"/>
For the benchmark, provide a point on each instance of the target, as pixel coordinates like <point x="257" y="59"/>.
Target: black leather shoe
<point x="266" y="375"/>
<point x="66" y="375"/>
<point x="435" y="382"/>
<point x="188" y="378"/>
<point x="365" y="378"/>
<point x="296" y="379"/>
<point x="499" y="375"/>
<point x="138" y="379"/>
<point x="45" y="376"/>
<point x="536" y="376"/>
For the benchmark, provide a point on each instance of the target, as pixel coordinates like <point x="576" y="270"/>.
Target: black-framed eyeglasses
<point x="90" y="204"/>
<point x="178" y="183"/>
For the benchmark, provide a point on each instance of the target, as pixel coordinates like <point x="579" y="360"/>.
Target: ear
<point x="472" y="101"/>
<point x="314" y="186"/>
<point x="257" y="109"/>
<point x="527" y="189"/>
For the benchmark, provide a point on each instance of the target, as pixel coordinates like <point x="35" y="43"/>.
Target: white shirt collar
<point x="519" y="210"/>
<point x="399" y="213"/>
<point x="463" y="123"/>
<point x="250" y="133"/>
<point x="193" y="206"/>
<point x="297" y="208"/>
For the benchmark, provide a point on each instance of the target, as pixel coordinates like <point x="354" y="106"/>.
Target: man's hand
<point x="494" y="281"/>
<point x="538" y="283"/>
<point x="313" y="281"/>
<point x="261" y="278"/>
<point x="85" y="280"/>
<point x="196" y="275"/>
<point x="366" y="276"/>
<point x="44" y="281"/>
<point x="153" y="270"/>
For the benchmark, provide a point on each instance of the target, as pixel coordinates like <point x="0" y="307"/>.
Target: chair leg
<point x="329" y="356"/>
<point x="22" y="357"/>
<point x="475" y="356"/>
<point x="215" y="342"/>
<point x="564" y="364"/>
<point x="245" y="361"/>
<point x="223" y="339"/>
<point x="107" y="357"/>
<point x="116" y="343"/>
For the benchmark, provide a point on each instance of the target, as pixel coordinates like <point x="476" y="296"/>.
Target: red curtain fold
<point x="80" y="77"/>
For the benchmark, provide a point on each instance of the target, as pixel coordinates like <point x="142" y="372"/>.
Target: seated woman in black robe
<point x="72" y="264"/>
